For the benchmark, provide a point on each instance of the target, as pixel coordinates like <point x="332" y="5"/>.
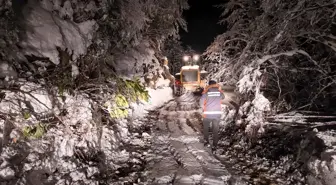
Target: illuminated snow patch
<point x="164" y="179"/>
<point x="186" y="139"/>
<point x="212" y="181"/>
<point x="190" y="67"/>
<point x="196" y="178"/>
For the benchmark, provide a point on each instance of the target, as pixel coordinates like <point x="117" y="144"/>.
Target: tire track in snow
<point x="181" y="157"/>
<point x="188" y="122"/>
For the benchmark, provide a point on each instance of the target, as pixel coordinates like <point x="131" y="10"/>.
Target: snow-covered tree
<point x="284" y="48"/>
<point x="86" y="47"/>
<point x="174" y="51"/>
<point x="128" y="23"/>
<point x="87" y="39"/>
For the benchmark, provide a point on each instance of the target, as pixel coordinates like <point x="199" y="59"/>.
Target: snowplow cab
<point x="191" y="78"/>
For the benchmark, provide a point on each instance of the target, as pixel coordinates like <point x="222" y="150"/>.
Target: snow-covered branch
<point x="267" y="57"/>
<point x="292" y="43"/>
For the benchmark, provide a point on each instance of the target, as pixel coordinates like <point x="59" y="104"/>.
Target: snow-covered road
<point x="179" y="155"/>
<point x="165" y="147"/>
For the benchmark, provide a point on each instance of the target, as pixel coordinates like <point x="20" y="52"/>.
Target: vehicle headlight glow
<point x="185" y="58"/>
<point x="196" y="57"/>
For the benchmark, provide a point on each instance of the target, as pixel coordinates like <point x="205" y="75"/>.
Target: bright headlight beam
<point x="196" y="57"/>
<point x="185" y="58"/>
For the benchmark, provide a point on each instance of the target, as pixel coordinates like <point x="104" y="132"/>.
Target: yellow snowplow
<point x="190" y="78"/>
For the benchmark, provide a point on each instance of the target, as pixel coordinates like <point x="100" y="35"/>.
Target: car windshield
<point x="190" y="76"/>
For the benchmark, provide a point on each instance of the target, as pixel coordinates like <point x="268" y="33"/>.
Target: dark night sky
<point x="202" y="20"/>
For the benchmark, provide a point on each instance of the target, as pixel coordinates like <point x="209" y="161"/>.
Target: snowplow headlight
<point x="185" y="58"/>
<point x="196" y="57"/>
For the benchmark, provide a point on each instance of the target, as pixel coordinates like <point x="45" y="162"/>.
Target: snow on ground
<point x="158" y="97"/>
<point x="94" y="156"/>
<point x="180" y="156"/>
<point x="161" y="147"/>
<point x="85" y="153"/>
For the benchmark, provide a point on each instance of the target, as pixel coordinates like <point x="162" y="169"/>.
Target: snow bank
<point x="74" y="148"/>
<point x="80" y="156"/>
<point x="158" y="98"/>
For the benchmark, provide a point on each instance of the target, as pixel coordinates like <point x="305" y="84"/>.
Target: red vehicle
<point x="178" y="87"/>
